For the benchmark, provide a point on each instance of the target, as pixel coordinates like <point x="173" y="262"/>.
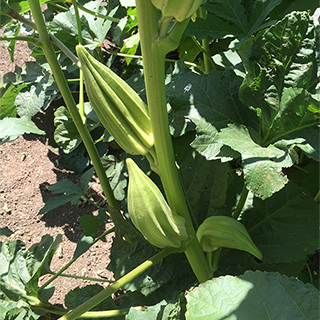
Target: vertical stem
<point x="208" y="63"/>
<point x="241" y="202"/>
<point x="81" y="94"/>
<point x="153" y="57"/>
<point x="46" y="45"/>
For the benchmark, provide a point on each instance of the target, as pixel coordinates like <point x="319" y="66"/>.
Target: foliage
<point x="243" y="110"/>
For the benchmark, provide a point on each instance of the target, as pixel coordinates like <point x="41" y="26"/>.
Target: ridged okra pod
<point x="150" y="212"/>
<point x="119" y="108"/>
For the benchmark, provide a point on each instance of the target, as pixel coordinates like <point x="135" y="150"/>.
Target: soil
<point x="28" y="166"/>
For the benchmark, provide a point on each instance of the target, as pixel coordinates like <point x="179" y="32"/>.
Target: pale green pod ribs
<point x="225" y="232"/>
<point x="179" y="9"/>
<point x="119" y="108"/>
<point x="150" y="212"/>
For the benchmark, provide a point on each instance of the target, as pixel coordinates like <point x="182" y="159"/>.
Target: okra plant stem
<point x="95" y="300"/>
<point x="46" y="45"/>
<point x="154" y="49"/>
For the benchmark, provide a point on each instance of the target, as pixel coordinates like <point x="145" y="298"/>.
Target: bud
<point x="179" y="9"/>
<point x="225" y="232"/>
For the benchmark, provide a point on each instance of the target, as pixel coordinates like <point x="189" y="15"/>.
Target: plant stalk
<point x="95" y="300"/>
<point x="65" y="267"/>
<point x="154" y="52"/>
<point x="15" y="15"/>
<point x="46" y="45"/>
<point x="242" y="201"/>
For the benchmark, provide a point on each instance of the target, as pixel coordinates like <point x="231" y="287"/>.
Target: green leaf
<point x="211" y="102"/>
<point x="56" y="202"/>
<point x="280" y="69"/>
<point x="20" y="270"/>
<point x="85" y="179"/>
<point x="228" y="17"/>
<point x="76" y="297"/>
<point x="21" y="6"/>
<point x="262" y="166"/>
<point x="90" y="225"/>
<point x="254" y="295"/>
<point x="72" y="192"/>
<point x="130" y="47"/>
<point x="67" y="187"/>
<point x="5" y="232"/>
<point x="298" y="110"/>
<point x="83" y="245"/>
<point x="66" y="134"/>
<point x="115" y="169"/>
<point x="12" y="128"/>
<point x="284" y="227"/>
<point x="8" y="108"/>
<point x="205" y="182"/>
<point x="94" y="29"/>
<point x="160" y="311"/>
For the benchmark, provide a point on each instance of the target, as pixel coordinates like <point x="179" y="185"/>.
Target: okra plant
<point x="217" y="117"/>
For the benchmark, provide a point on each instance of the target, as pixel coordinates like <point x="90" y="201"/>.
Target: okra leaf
<point x="77" y="296"/>
<point x="281" y="66"/>
<point x="90" y="225"/>
<point x="20" y="270"/>
<point x="230" y="18"/>
<point x="262" y="166"/>
<point x="93" y="29"/>
<point x="205" y="182"/>
<point x="85" y="179"/>
<point x="66" y="134"/>
<point x="83" y="245"/>
<point x="160" y="311"/>
<point x="209" y="100"/>
<point x="5" y="232"/>
<point x="284" y="227"/>
<point x="8" y="108"/>
<point x="162" y="281"/>
<point x="20" y="6"/>
<point x="253" y="295"/>
<point x="72" y="193"/>
<point x="12" y="128"/>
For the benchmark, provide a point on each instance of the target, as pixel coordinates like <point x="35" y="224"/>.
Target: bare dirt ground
<point x="27" y="166"/>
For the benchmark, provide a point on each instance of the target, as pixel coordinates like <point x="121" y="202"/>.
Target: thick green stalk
<point x="95" y="300"/>
<point x="154" y="52"/>
<point x="46" y="45"/>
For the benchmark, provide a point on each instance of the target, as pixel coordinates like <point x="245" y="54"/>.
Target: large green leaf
<point x="211" y="101"/>
<point x="254" y="295"/>
<point x="160" y="311"/>
<point x="76" y="297"/>
<point x="280" y="69"/>
<point x="115" y="169"/>
<point x="20" y="270"/>
<point x="8" y="108"/>
<point x="12" y="128"/>
<point x="66" y="134"/>
<point x="205" y="182"/>
<point x="93" y="29"/>
<point x="284" y="227"/>
<point x="262" y="166"/>
<point x="228" y="17"/>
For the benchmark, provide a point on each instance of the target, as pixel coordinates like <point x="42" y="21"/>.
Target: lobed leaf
<point x="285" y="226"/>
